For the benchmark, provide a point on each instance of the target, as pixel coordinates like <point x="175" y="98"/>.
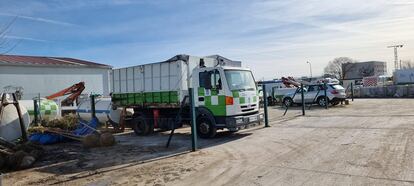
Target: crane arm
<point x="290" y="81"/>
<point x="75" y="90"/>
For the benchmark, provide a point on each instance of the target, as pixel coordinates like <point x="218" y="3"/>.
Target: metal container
<point x="163" y="83"/>
<point x="9" y="122"/>
<point x="103" y="110"/>
<point x="48" y="109"/>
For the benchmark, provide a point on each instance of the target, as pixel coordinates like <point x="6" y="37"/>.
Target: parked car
<point x="316" y="94"/>
<point x="280" y="93"/>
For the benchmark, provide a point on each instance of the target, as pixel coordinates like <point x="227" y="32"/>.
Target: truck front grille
<point x="247" y="108"/>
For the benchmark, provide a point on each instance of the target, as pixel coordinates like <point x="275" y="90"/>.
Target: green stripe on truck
<point x="242" y="100"/>
<point x="207" y="101"/>
<point x="200" y="91"/>
<point x="214" y="92"/>
<point x="156" y="97"/>
<point x="165" y="97"/>
<point x="235" y="93"/>
<point x="126" y="99"/>
<point x="218" y="108"/>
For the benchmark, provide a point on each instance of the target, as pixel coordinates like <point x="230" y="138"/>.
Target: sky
<point x="273" y="38"/>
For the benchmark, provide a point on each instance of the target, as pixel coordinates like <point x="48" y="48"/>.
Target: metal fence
<point x="390" y="91"/>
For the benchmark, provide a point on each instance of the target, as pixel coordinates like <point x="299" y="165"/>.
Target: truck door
<point x="210" y="92"/>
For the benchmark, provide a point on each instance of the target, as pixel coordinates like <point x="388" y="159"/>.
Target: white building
<point x="47" y="75"/>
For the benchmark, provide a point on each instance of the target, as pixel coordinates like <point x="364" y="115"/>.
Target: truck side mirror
<point x="219" y="85"/>
<point x="202" y="64"/>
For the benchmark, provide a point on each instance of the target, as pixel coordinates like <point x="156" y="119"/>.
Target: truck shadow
<point x="76" y="162"/>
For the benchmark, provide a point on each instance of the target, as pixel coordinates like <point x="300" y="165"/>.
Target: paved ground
<point x="369" y="142"/>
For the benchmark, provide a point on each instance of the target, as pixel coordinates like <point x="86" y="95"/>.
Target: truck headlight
<point x="238" y="121"/>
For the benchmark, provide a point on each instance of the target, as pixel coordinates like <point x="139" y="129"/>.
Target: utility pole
<point x="266" y="119"/>
<point x="194" y="145"/>
<point x="396" y="55"/>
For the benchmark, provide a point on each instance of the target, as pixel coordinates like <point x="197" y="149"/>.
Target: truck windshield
<point x="240" y="80"/>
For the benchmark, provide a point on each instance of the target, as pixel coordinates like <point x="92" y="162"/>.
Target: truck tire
<point x="321" y="101"/>
<point x="206" y="127"/>
<point x="288" y="102"/>
<point x="141" y="126"/>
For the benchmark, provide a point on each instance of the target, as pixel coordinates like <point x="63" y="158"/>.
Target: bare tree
<point x="335" y="67"/>
<point x="407" y="64"/>
<point x="6" y="45"/>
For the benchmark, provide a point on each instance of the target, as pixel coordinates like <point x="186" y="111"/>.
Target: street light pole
<point x="310" y="68"/>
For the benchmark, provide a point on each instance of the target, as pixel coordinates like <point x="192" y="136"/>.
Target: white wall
<point x="48" y="80"/>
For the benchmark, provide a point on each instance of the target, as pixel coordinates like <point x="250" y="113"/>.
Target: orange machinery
<point x="74" y="91"/>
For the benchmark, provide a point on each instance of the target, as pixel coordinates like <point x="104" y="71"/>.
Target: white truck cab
<point x="229" y="94"/>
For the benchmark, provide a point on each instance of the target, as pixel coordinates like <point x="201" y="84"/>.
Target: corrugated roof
<point x="48" y="61"/>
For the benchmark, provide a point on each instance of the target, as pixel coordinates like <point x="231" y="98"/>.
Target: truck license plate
<point x="252" y="119"/>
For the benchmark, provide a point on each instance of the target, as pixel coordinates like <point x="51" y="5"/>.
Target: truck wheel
<point x="321" y="101"/>
<point x="140" y="126"/>
<point x="288" y="102"/>
<point x="205" y="127"/>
